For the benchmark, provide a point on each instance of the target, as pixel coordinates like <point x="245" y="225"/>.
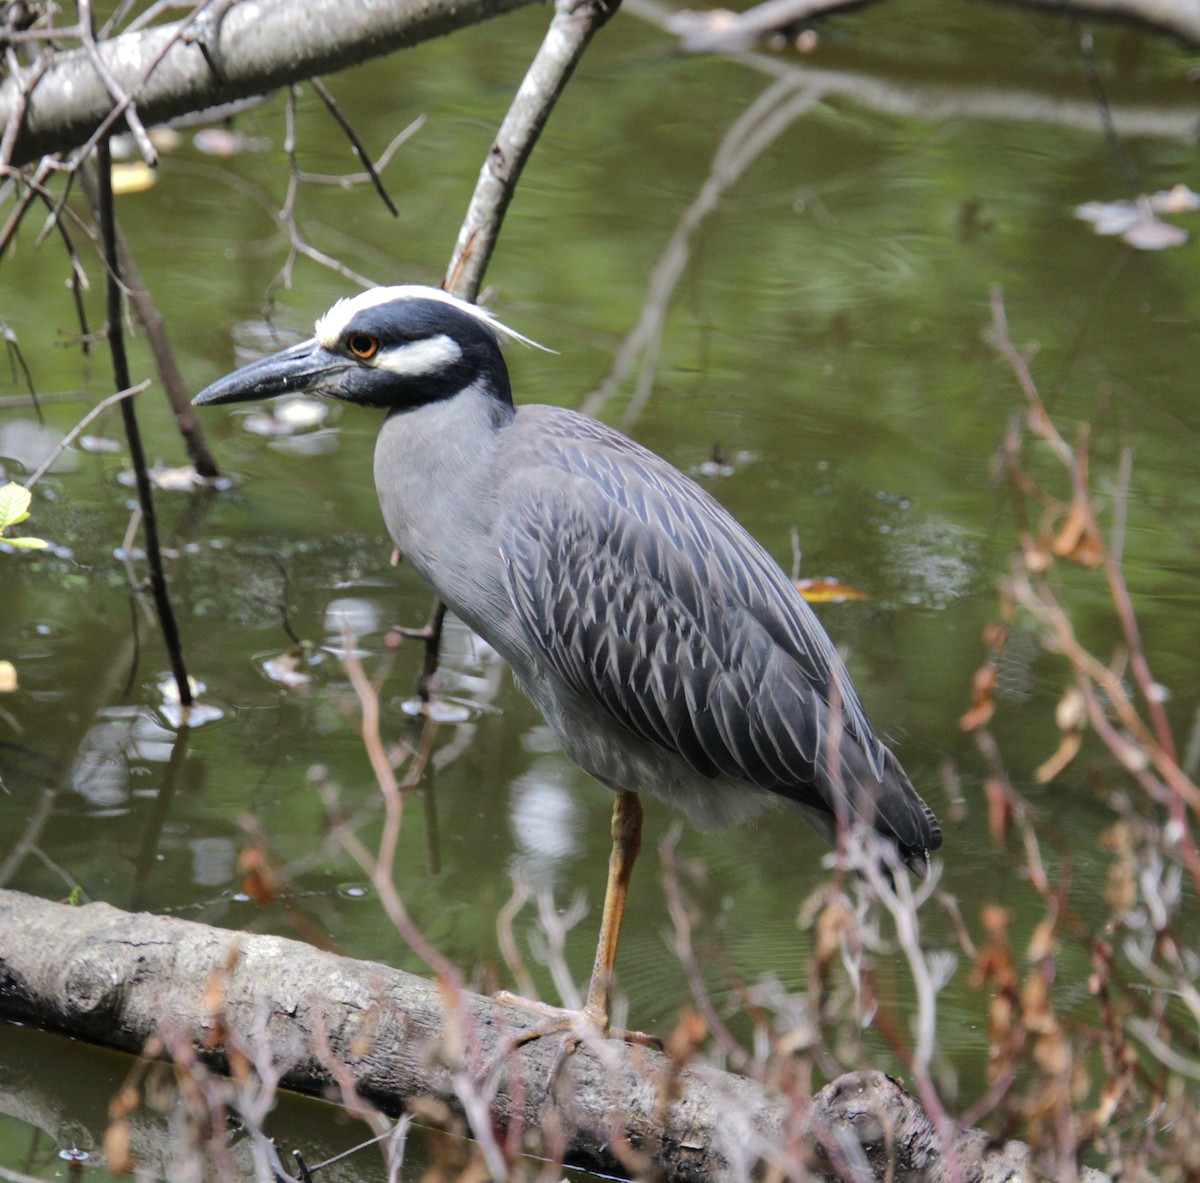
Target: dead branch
<point x="329" y="1023"/>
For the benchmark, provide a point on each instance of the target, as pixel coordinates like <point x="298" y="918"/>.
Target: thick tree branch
<point x="256" y="46"/>
<point x="121" y="979"/>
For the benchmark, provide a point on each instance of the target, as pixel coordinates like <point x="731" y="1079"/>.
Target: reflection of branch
<point x="763" y="121"/>
<point x="939" y="102"/>
<point x="721" y="31"/>
<point x="1179" y="18"/>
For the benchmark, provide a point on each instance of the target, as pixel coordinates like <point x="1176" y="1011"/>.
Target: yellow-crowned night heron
<point x="667" y="650"/>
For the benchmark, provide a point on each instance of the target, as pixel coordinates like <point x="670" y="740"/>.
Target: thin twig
<point x="87" y="35"/>
<point x="322" y="92"/>
<point x="137" y="455"/>
<point x="68" y="439"/>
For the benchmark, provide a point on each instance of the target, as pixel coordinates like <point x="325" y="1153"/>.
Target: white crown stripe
<point x="330" y="327"/>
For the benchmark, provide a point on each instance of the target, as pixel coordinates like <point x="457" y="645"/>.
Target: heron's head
<point x="393" y="348"/>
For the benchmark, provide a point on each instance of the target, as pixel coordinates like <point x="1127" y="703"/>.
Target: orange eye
<point x="363" y="345"/>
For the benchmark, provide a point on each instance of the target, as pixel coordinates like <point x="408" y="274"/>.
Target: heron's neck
<point x="434" y="472"/>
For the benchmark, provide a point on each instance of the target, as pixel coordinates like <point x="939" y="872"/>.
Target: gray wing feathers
<point x="648" y="599"/>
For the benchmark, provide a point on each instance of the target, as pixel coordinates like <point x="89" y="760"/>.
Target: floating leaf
<point x="183" y="479"/>
<point x="1179" y="199"/>
<point x="135" y="177"/>
<point x="1137" y="221"/>
<point x="289" y="417"/>
<point x="1109" y="217"/>
<point x="828" y="591"/>
<point x="1150" y="234"/>
<point x="286" y="669"/>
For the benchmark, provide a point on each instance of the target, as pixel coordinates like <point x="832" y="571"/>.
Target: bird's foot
<point x="580" y="1025"/>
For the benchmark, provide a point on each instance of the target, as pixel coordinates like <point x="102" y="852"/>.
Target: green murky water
<point x="823" y="345"/>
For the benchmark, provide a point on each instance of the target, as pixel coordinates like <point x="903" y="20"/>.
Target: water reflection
<point x="545" y="824"/>
<point x="214" y="861"/>
<point x="110" y="753"/>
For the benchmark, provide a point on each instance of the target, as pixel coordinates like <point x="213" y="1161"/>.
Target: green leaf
<point x="28" y="543"/>
<point x="14" y="504"/>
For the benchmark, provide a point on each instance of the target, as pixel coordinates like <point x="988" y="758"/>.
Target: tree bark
<point x="187" y="66"/>
<point x="119" y="979"/>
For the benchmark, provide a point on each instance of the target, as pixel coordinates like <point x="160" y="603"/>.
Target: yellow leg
<point x="626" y="842"/>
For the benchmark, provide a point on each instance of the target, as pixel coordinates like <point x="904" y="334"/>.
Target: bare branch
<point x="570" y="31"/>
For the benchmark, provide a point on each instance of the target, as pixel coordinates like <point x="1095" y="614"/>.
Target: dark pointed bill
<point x="306" y="368"/>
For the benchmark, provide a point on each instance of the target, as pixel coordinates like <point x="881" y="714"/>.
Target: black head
<point x="395" y="348"/>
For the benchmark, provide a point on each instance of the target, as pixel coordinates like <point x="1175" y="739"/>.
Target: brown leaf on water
<point x="288" y="670"/>
<point x="828" y="591"/>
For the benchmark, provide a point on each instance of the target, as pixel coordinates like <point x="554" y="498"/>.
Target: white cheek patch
<point x="427" y="356"/>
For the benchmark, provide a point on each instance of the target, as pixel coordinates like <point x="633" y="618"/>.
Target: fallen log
<point x="123" y="979"/>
